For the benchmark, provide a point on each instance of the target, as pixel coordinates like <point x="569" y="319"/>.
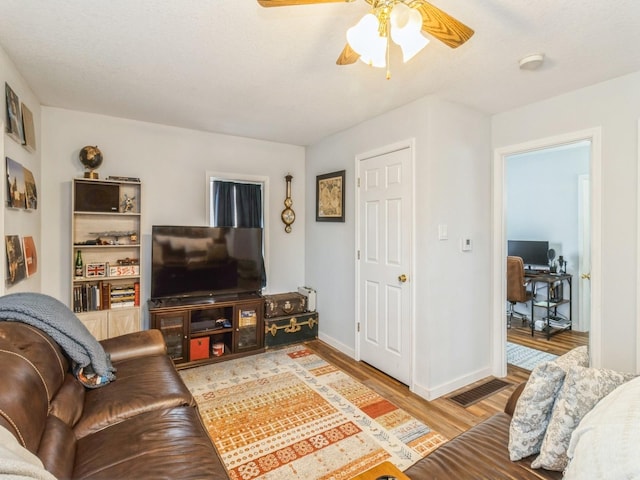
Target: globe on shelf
<point x="91" y="158"/>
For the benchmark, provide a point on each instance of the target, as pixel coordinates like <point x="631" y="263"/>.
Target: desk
<point x="554" y="298"/>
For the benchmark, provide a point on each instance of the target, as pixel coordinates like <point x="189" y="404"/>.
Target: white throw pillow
<point x="533" y="410"/>
<point x="582" y="389"/>
<point x="578" y="356"/>
<point x="605" y="443"/>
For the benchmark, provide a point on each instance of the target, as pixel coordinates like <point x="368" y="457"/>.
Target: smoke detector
<point x="532" y="62"/>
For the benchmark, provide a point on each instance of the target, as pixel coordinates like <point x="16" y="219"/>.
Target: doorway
<point x="545" y="202"/>
<point x="384" y="227"/>
<point x="501" y="231"/>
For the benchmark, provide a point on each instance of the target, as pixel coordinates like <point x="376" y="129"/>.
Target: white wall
<point x="19" y="221"/>
<point x="452" y="337"/>
<point x="615" y="107"/>
<point x="171" y="163"/>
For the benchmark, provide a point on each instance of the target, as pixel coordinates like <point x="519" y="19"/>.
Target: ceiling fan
<point x="402" y="20"/>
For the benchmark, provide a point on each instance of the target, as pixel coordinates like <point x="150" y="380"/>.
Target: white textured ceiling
<point x="233" y="67"/>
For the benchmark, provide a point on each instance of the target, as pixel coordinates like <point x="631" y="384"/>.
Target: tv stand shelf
<point x="212" y="329"/>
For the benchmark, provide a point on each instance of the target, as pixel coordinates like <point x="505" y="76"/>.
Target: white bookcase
<point x="105" y="228"/>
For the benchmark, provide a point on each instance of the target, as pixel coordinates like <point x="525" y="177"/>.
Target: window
<point x="239" y="201"/>
<point x="236" y="204"/>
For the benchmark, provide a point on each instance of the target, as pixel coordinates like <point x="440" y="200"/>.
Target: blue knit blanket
<point x="92" y="365"/>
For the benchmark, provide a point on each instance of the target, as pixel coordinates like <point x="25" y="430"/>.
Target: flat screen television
<point x="533" y="252"/>
<point x="205" y="261"/>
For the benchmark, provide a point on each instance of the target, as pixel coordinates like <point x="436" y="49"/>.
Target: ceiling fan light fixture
<point x="365" y="40"/>
<point x="406" y="24"/>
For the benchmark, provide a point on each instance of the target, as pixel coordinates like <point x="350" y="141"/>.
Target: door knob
<point x="586" y="276"/>
<point x="402" y="278"/>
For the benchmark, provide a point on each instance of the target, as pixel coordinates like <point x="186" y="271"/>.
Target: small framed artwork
<point x="31" y="194"/>
<point x="16" y="195"/>
<point x="29" y="130"/>
<point x="14" y="115"/>
<point x="330" y="197"/>
<point x="30" y="255"/>
<point x="16" y="268"/>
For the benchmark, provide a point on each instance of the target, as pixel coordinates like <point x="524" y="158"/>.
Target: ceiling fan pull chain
<point x="388" y="56"/>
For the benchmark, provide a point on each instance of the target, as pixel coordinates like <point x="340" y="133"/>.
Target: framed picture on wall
<point x="330" y="197"/>
<point x="30" y="192"/>
<point x="16" y="194"/>
<point x="16" y="268"/>
<point x="29" y="130"/>
<point x="14" y="115"/>
<point x="30" y="255"/>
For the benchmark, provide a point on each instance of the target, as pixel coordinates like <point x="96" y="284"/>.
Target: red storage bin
<point x="199" y="348"/>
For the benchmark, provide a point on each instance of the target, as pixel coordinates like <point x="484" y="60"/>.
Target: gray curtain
<point x="223" y="204"/>
<point x="238" y="205"/>
<point x="248" y="205"/>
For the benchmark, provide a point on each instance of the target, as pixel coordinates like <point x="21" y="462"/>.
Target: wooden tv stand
<point x="210" y="329"/>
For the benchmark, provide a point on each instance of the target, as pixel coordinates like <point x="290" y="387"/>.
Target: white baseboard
<point x="350" y="351"/>
<point x="446" y="388"/>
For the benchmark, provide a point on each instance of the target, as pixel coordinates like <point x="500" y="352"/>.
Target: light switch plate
<point x="466" y="245"/>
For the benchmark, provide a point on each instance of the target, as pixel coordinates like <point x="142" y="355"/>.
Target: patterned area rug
<point x="525" y="357"/>
<point x="288" y="414"/>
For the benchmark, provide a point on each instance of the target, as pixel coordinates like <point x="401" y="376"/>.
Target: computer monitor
<point x="533" y="252"/>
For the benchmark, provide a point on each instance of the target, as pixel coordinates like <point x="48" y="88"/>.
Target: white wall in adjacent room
<point x="172" y="164"/>
<point x="452" y="336"/>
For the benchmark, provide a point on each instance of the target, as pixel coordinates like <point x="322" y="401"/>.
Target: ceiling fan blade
<point x="441" y="25"/>
<point x="287" y="3"/>
<point x="348" y="56"/>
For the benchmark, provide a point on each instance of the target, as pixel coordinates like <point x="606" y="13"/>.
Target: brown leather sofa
<point x="145" y="424"/>
<point x="480" y="453"/>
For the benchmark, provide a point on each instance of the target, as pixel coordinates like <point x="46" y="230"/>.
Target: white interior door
<point x="584" y="255"/>
<point x="385" y="213"/>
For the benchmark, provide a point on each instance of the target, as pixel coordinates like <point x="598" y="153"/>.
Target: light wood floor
<point x="444" y="416"/>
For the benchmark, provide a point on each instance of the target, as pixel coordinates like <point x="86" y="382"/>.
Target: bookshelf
<point x="105" y="223"/>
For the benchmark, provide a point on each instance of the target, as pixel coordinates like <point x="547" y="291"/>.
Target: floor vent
<point x="480" y="392"/>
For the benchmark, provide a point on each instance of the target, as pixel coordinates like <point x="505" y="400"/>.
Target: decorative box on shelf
<point x="95" y="270"/>
<point x="289" y="329"/>
<point x="123" y="270"/>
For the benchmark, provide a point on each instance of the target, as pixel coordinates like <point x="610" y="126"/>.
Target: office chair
<point x="516" y="288"/>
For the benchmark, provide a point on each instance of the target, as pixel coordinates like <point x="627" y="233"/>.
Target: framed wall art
<point x="14" y="115"/>
<point x="330" y="197"/>
<point x="16" y="268"/>
<point x="28" y="128"/>
<point x="16" y="194"/>
<point x="31" y="193"/>
<point x="30" y="255"/>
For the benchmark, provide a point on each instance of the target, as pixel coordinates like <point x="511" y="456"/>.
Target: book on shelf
<point x="87" y="298"/>
<point x="136" y="290"/>
<point x="90" y="297"/>
<point x="122" y="304"/>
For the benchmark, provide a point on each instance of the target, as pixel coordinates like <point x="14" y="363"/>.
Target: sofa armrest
<point x="510" y="407"/>
<point x="134" y="345"/>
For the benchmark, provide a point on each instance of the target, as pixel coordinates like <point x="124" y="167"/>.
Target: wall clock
<point x="288" y="215"/>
